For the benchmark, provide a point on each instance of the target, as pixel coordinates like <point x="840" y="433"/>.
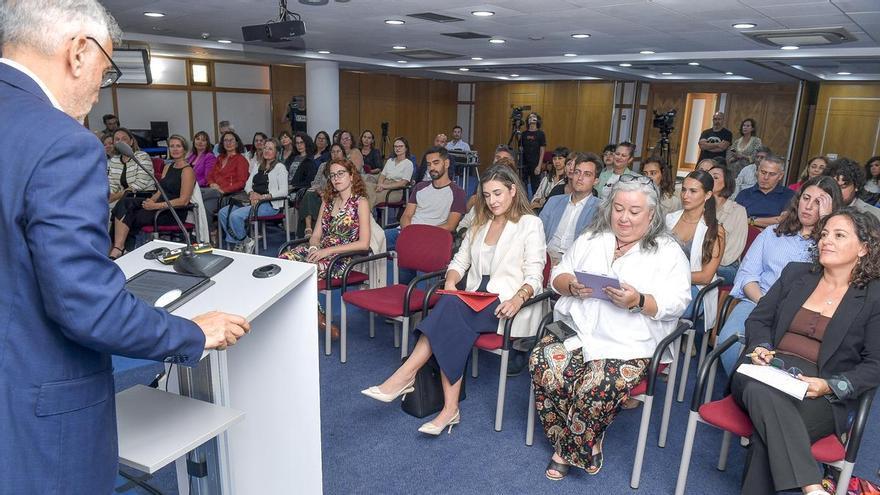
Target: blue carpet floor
<point x="374" y="448"/>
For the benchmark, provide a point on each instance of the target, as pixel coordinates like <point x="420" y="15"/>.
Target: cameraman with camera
<point x="533" y="142"/>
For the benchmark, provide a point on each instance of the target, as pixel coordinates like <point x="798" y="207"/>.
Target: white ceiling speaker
<point x="805" y="37"/>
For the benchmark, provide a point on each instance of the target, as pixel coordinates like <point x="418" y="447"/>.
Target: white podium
<point x="265" y="389"/>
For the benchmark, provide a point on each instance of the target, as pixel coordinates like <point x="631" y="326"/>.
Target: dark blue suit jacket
<point x="63" y="307"/>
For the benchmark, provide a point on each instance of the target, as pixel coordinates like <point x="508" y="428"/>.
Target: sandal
<point x="114" y="248"/>
<point x="630" y="403"/>
<point x="560" y="468"/>
<point x="596" y="464"/>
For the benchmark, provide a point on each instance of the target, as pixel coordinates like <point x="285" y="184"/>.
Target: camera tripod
<point x="663" y="147"/>
<point x="514" y="141"/>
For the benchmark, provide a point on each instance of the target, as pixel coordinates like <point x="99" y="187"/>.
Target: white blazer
<point x="710" y="302"/>
<point x="520" y="255"/>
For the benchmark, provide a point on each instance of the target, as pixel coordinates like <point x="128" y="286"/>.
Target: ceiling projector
<point x="274" y="32"/>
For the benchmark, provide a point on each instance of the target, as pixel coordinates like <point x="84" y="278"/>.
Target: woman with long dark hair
<point x="202" y="158"/>
<point x="372" y="157"/>
<point x="661" y="173"/>
<point x="747" y="144"/>
<point x="870" y="193"/>
<point x="322" y="147"/>
<point x="733" y="218"/>
<point x="303" y="169"/>
<point x="352" y="153"/>
<point x="815" y="167"/>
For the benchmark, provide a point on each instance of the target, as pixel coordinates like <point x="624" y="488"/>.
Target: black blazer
<point x="849" y="357"/>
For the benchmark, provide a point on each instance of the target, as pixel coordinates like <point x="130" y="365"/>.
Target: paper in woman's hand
<point x="597" y="283"/>
<point x="477" y="301"/>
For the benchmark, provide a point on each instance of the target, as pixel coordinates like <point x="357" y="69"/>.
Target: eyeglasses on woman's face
<point x="337" y="175"/>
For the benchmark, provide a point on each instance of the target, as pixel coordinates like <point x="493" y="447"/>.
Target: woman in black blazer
<point x="821" y="323"/>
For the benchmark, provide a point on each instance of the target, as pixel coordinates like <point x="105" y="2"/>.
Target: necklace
<point x="620" y="247"/>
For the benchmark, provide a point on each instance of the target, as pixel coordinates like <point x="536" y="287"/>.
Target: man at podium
<point x="63" y="307"/>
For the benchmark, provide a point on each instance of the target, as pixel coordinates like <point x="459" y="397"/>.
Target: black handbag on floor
<point x="427" y="398"/>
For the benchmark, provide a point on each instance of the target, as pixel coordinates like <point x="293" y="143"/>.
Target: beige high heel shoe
<point x="432" y="429"/>
<point x="374" y="392"/>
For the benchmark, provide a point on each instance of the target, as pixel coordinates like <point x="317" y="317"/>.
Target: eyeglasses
<point x="767" y="173"/>
<point x="399" y="146"/>
<point x="337" y="175"/>
<point x="779" y="363"/>
<point x="639" y="179"/>
<point x="112" y="74"/>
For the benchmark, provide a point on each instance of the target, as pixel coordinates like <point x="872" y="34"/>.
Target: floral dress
<point x="341" y="228"/>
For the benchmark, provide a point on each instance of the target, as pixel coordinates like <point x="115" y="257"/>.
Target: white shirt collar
<point x="29" y="73"/>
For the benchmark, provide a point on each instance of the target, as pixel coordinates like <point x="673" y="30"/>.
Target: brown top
<point x="804" y="335"/>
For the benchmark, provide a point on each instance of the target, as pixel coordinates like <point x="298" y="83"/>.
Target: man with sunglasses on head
<point x="67" y="310"/>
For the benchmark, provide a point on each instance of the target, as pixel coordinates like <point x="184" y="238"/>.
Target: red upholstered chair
<point x="643" y="392"/>
<point x="399" y="205"/>
<point x="158" y="166"/>
<point x="156" y="231"/>
<point x="258" y="223"/>
<point x="326" y="285"/>
<point x="422" y="248"/>
<point x="691" y="333"/>
<point x="726" y="415"/>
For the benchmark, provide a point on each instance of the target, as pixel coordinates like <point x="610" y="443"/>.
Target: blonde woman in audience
<point x="747" y="144"/>
<point x="202" y="158"/>
<point x="733" y="218"/>
<point x="581" y="385"/>
<point x="268" y="180"/>
<point x="815" y="167"/>
<point x="395" y="174"/>
<point x="352" y="153"/>
<point x="661" y="174"/>
<point x="178" y="180"/>
<point x="503" y="253"/>
<point x="125" y="177"/>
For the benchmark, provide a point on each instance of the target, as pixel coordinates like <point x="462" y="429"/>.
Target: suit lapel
<point x="792" y="302"/>
<point x="850" y="306"/>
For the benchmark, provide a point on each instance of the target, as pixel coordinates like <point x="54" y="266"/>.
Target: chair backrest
<point x="158" y="166"/>
<point x="547" y="269"/>
<point x="751" y="235"/>
<point x="424" y="248"/>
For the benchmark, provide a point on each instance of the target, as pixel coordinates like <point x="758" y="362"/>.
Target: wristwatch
<point x="640" y="306"/>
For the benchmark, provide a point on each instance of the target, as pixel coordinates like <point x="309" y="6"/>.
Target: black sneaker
<point x="518" y="362"/>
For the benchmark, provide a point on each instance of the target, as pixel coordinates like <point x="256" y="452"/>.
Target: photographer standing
<point x="533" y="143"/>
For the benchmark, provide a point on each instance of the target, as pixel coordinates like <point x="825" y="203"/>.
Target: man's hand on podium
<point x="221" y="329"/>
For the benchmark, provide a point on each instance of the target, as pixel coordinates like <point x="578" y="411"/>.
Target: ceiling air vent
<point x="430" y="16"/>
<point x="467" y="35"/>
<point x="425" y="55"/>
<point x="807" y="37"/>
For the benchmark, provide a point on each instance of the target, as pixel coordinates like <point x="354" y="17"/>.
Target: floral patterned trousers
<point x="577" y="401"/>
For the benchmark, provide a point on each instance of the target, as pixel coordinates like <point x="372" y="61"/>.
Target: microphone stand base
<point x="203" y="265"/>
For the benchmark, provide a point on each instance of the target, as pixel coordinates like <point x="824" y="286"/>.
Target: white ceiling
<point x="537" y="34"/>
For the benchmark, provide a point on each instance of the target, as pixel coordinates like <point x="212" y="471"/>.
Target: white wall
<point x="203" y="113"/>
<point x="137" y="107"/>
<point x="241" y="76"/>
<point x="103" y="107"/>
<point x="248" y="112"/>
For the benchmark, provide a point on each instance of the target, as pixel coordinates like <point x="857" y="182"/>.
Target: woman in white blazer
<point x="268" y="180"/>
<point x="503" y="253"/>
<point x="700" y="236"/>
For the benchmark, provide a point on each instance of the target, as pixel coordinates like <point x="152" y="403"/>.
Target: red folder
<point x="477" y="301"/>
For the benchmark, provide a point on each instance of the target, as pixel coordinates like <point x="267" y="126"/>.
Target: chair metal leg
<point x="343" y="332"/>
<point x="530" y="417"/>
<point x="843" y="479"/>
<point x="704" y="346"/>
<point x="404" y="337"/>
<point x="265" y="237"/>
<point x="687" y="363"/>
<point x="502" y="388"/>
<point x="670" y="392"/>
<point x="725" y="449"/>
<point x="372" y="325"/>
<point x="474" y="368"/>
<point x="711" y="385"/>
<point x="686" y="452"/>
<point x="328" y="321"/>
<point x="641" y="442"/>
<point x="396" y="332"/>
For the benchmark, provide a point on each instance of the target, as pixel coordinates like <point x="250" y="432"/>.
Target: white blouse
<point x="607" y="331"/>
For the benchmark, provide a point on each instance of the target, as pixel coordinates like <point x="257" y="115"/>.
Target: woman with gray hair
<point x="580" y="384"/>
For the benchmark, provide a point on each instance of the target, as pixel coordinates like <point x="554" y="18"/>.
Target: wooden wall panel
<point x="771" y="105"/>
<point x="847" y="121"/>
<point x="287" y="81"/>
<point x="576" y="114"/>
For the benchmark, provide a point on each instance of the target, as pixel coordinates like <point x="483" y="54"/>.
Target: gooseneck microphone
<point x="202" y="264"/>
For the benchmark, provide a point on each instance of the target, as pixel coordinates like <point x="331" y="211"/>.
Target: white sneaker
<point x="247" y="245"/>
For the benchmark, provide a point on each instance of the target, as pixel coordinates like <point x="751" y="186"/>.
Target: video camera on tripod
<point x="516" y="117"/>
<point x="664" y="122"/>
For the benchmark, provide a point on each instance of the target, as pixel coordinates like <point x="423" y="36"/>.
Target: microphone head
<point x="124" y="149"/>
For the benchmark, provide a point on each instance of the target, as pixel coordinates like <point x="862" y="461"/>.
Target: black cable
<point x="142" y="484"/>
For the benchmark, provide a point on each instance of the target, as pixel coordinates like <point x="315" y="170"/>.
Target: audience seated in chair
<point x="702" y="239"/>
<point x="395" y="174"/>
<point x="554" y="177"/>
<point x="310" y="203"/>
<point x="255" y="155"/>
<point x="815" y="167"/>
<point x="352" y="152"/>
<point x="565" y="217"/>
<point x="819" y="323"/>
<point x="131" y="213"/>
<point x="229" y="174"/>
<point x="322" y="148"/>
<point x="421" y="173"/>
<point x="581" y="385"/>
<point x="125" y="177"/>
<point x="202" y="158"/>
<point x="871" y="192"/>
<point x="657" y="169"/>
<point x="772" y="250"/>
<point x="372" y="157"/>
<point x="502" y="253"/>
<point x="304" y="168"/>
<point x="850" y="176"/>
<point x="344" y="226"/>
<point x="733" y="218"/>
<point x="623" y="158"/>
<point x="268" y="180"/>
<point x="748" y="175"/>
<point x="766" y="201"/>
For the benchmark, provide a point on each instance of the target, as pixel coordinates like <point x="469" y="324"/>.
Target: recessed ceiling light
<point x="744" y="25"/>
<point x="514" y="75"/>
<point x="497" y="41"/>
<point x="324" y="52"/>
<point x="399" y="47"/>
<point x="463" y="69"/>
<point x="570" y="55"/>
<point x="580" y="36"/>
<point x="626" y="65"/>
<point x="225" y="42"/>
<point x="666" y="73"/>
<point x="843" y="73"/>
<point x="154" y="14"/>
<point x="401" y="61"/>
<point x="476" y="58"/>
<point x="395" y="22"/>
<point x="790" y="47"/>
<point x="693" y="63"/>
<point x="482" y="13"/>
<point x="729" y="73"/>
<point x="647" y="52"/>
